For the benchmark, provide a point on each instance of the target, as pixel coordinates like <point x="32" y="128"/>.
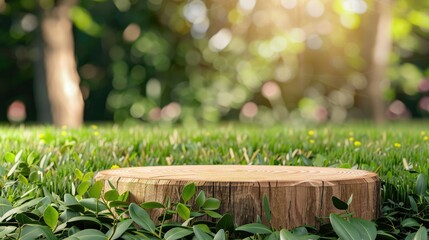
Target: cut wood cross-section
<point x="297" y="195"/>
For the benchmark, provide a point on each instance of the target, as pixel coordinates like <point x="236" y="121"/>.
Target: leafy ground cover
<point x="56" y="165"/>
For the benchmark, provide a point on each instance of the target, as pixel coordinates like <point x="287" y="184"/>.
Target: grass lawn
<point x="36" y="158"/>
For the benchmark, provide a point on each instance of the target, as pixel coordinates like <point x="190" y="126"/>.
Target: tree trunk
<point x="378" y="46"/>
<point x="297" y="195"/>
<point x="61" y="77"/>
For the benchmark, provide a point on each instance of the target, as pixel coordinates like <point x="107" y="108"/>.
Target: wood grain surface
<point x="297" y="195"/>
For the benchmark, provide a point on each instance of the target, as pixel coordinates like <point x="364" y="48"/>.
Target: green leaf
<point x="87" y="234"/>
<point x="409" y="222"/>
<point x="47" y="194"/>
<point x="421" y="184"/>
<point x="339" y="204"/>
<point x="385" y="235"/>
<point x="22" y="179"/>
<point x="200" y="234"/>
<point x="83" y="187"/>
<point x="274" y="236"/>
<point x="6" y="230"/>
<point x="31" y="232"/>
<point x="78" y="174"/>
<point x="183" y="211"/>
<point x="188" y="192"/>
<point x="255" y="228"/>
<point x="83" y="21"/>
<point x="124" y="196"/>
<point x="122" y="204"/>
<point x="344" y="229"/>
<point x="177" y="233"/>
<point x="140" y="216"/>
<point x="187" y="222"/>
<point x="286" y="235"/>
<point x="5" y="206"/>
<point x="18" y="156"/>
<point x="30" y="158"/>
<point x="20" y="208"/>
<point x="13" y="169"/>
<point x="367" y="229"/>
<point x="226" y="223"/>
<point x="22" y="218"/>
<point x="258" y="219"/>
<point x="267" y="208"/>
<point x="413" y="204"/>
<point x="70" y="200"/>
<point x="93" y="204"/>
<point x="67" y="215"/>
<point x="96" y="189"/>
<point x="350" y="200"/>
<point x="88" y="176"/>
<point x="111" y="195"/>
<point x="33" y="177"/>
<point x="212" y="214"/>
<point x="421" y="234"/>
<point x="121" y="228"/>
<point x="220" y="235"/>
<point x="151" y="205"/>
<point x="71" y="203"/>
<point x="201" y="198"/>
<point x="50" y="216"/>
<point x="9" y="157"/>
<point x="86" y="220"/>
<point x="211" y="204"/>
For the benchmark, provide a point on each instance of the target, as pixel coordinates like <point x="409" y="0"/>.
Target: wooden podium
<point x="297" y="195"/>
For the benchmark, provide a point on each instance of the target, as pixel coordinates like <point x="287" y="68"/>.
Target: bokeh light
<point x="16" y="112"/>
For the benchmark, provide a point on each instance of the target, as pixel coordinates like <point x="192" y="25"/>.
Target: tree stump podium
<point x="297" y="195"/>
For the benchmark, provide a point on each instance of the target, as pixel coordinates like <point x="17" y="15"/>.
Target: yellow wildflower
<point x="397" y="145"/>
<point x="351" y="139"/>
<point x="41" y="136"/>
<point x="114" y="166"/>
<point x="357" y="144"/>
<point x="422" y="133"/>
<point x="312" y="141"/>
<point x="311" y="132"/>
<point x="96" y="133"/>
<point x="425" y="138"/>
<point x="93" y="126"/>
<point x="63" y="133"/>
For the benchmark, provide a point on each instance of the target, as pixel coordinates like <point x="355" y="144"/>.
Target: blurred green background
<point x="192" y="61"/>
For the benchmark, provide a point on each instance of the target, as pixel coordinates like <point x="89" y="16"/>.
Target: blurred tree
<point x="59" y="71"/>
<point x="377" y="46"/>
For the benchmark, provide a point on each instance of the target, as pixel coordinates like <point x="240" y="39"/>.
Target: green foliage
<point x="60" y="201"/>
<point x="188" y="192"/>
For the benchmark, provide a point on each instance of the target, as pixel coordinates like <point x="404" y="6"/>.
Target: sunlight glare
<point x="195" y="11"/>
<point x="314" y="42"/>
<point x="355" y="6"/>
<point x="247" y="5"/>
<point x="315" y="8"/>
<point x="289" y="4"/>
<point x="297" y="35"/>
<point x="220" y="40"/>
